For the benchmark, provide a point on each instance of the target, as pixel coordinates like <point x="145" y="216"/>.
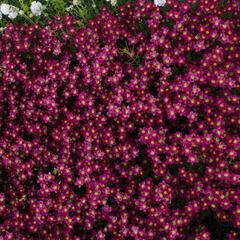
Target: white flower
<point x="13" y="12"/>
<point x="114" y="2"/>
<point x="69" y="8"/>
<point x="75" y="2"/>
<point x="0" y="15"/>
<point x="37" y="8"/>
<point x="5" y="8"/>
<point x="9" y="10"/>
<point x="160" y="3"/>
<point x="21" y="12"/>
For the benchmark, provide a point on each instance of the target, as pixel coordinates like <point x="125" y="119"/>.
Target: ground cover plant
<point x="124" y="128"/>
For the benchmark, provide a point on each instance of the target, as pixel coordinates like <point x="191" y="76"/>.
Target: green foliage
<point x="57" y="6"/>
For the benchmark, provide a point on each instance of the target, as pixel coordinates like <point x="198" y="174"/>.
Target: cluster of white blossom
<point x="37" y="8"/>
<point x="9" y="10"/>
<point x="12" y="12"/>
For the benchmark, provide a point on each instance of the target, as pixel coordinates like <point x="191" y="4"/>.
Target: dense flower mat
<point x="124" y="129"/>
